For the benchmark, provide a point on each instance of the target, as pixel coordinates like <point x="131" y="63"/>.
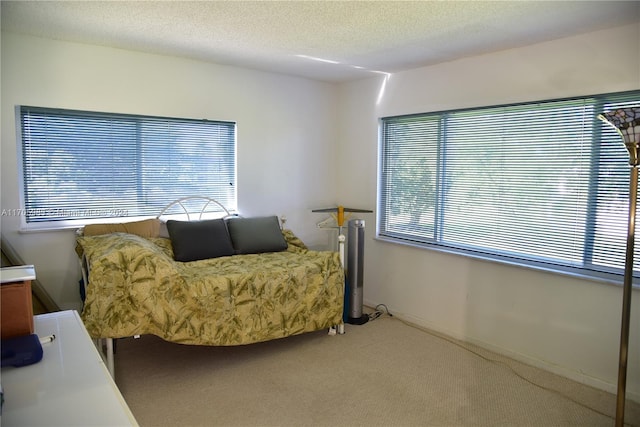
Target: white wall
<point x="564" y="324"/>
<point x="286" y="133"/>
<point x="290" y="136"/>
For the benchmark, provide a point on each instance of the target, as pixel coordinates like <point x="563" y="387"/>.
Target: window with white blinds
<point x="544" y="184"/>
<point x="80" y="166"/>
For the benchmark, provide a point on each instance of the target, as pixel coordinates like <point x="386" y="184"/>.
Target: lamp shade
<point x="626" y="121"/>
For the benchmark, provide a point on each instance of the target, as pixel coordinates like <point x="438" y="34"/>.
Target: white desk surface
<point x="70" y="386"/>
<point x="18" y="273"/>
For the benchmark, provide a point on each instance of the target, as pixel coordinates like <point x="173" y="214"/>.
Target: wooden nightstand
<point x="16" y="306"/>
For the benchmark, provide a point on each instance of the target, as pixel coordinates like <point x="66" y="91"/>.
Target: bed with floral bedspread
<point x="219" y="282"/>
<point x="136" y="287"/>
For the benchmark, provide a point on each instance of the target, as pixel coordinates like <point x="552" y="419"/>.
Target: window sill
<point x="602" y="278"/>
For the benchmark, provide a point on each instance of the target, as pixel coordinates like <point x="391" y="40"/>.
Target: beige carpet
<point x="383" y="373"/>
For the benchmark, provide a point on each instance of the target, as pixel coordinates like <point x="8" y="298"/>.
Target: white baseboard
<point x="556" y="369"/>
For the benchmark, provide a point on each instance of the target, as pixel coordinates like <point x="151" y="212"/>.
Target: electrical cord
<point x="379" y="313"/>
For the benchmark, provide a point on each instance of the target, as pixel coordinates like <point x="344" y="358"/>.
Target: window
<point x="544" y="184"/>
<point x="80" y="166"/>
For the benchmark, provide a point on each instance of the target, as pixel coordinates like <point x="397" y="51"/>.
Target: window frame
<point x="602" y="274"/>
<point x="102" y="215"/>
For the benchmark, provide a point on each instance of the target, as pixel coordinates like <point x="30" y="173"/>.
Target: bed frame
<point x="193" y="208"/>
<point x="184" y="205"/>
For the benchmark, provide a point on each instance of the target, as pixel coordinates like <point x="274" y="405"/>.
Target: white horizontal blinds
<point x="544" y="183"/>
<point x="84" y="165"/>
<point x="611" y="216"/>
<point x="517" y="180"/>
<point x="409" y="174"/>
<point x="197" y="158"/>
<point x="75" y="163"/>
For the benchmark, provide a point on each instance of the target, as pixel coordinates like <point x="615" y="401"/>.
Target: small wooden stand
<point x="16" y="306"/>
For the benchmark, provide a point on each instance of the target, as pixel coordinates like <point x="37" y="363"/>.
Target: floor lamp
<point x="626" y="122"/>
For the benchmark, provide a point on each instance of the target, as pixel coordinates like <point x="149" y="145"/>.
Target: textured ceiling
<point x="358" y="37"/>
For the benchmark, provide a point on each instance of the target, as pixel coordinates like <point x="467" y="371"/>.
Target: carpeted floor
<point x="383" y="373"/>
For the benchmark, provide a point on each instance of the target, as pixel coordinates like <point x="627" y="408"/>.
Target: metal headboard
<point x="194" y="207"/>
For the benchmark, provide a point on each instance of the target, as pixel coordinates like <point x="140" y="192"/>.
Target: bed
<point x="178" y="280"/>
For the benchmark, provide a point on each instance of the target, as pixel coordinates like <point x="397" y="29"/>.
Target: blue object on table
<point x="21" y="351"/>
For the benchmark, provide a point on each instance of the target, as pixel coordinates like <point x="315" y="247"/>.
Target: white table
<point x="70" y="386"/>
<point x="19" y="273"/>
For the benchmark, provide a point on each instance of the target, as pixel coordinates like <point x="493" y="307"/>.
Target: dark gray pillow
<point x="256" y="235"/>
<point x="196" y="240"/>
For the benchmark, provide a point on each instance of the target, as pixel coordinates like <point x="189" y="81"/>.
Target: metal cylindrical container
<point x="355" y="269"/>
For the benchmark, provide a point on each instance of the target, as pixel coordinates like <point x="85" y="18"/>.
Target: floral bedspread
<point x="135" y="287"/>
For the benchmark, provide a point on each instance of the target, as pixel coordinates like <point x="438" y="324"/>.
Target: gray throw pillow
<point x="196" y="240"/>
<point x="256" y="235"/>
